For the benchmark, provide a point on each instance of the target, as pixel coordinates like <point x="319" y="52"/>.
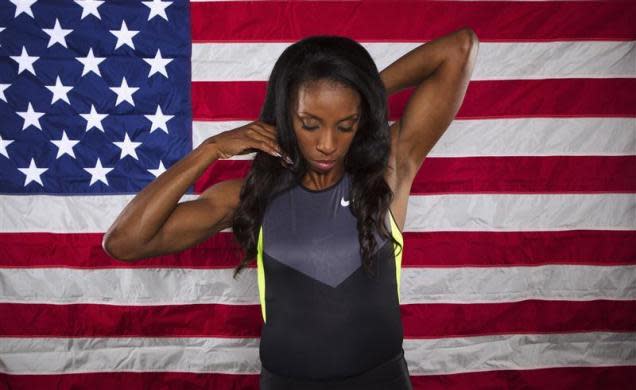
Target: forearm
<point x="146" y="213"/>
<point x="418" y="64"/>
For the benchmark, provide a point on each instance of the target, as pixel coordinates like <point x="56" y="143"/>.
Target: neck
<point x="318" y="181"/>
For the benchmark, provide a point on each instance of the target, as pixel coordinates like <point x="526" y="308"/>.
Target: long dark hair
<point x="346" y="62"/>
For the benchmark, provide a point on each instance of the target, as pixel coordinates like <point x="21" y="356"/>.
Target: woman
<point x="322" y="208"/>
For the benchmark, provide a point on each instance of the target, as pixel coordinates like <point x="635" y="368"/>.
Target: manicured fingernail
<point x="288" y="160"/>
<point x="277" y="154"/>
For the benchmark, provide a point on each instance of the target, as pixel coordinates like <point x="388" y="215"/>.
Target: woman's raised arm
<point x="154" y="223"/>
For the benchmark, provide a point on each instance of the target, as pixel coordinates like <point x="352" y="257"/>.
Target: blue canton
<point x="94" y="95"/>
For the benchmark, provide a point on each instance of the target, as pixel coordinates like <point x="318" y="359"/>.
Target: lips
<point x="325" y="164"/>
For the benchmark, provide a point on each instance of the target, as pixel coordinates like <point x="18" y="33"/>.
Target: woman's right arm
<point x="154" y="223"/>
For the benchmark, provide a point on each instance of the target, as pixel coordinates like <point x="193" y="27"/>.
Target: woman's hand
<point x="246" y="139"/>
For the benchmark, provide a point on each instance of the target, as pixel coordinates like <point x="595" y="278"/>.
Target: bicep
<point x="431" y="108"/>
<point x="196" y="220"/>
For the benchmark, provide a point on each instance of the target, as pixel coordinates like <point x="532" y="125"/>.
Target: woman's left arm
<point x="441" y="70"/>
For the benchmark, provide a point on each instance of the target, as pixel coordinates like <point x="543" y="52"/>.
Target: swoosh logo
<point x="344" y="203"/>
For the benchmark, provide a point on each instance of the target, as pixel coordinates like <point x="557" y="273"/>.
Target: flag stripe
<point x="215" y="320"/>
<point x="131" y="381"/>
<point x="240" y="355"/>
<point x="448" y="212"/>
<point x="609" y="97"/>
<point x="554" y="174"/>
<point x="451" y="249"/>
<point x="171" y="286"/>
<point x="555" y="378"/>
<point x="497" y="60"/>
<point x="252" y="21"/>
<point x="504" y="137"/>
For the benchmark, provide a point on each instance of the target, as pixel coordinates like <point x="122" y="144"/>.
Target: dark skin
<point x="154" y="223"/>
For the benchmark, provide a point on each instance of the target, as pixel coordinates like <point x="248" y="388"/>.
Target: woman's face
<point x="325" y="121"/>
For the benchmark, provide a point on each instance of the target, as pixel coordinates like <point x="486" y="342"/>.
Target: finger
<point x="264" y="131"/>
<point x="269" y="128"/>
<point x="273" y="131"/>
<point x="262" y="135"/>
<point x="265" y="144"/>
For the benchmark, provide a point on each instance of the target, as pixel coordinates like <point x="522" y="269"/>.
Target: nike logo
<point x="344" y="203"/>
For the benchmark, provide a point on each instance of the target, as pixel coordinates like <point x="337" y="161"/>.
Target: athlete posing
<point x="322" y="208"/>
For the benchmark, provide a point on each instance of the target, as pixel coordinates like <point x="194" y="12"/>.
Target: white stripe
<point x="128" y="354"/>
<point x="176" y="286"/>
<point x="451" y="212"/>
<point x="513" y="284"/>
<point x="240" y="356"/>
<point x="253" y="61"/>
<point x="512" y="352"/>
<point x="521" y="212"/>
<point x="504" y="137"/>
<point x="62" y="214"/>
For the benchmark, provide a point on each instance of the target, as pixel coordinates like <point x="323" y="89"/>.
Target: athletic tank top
<point x="324" y="317"/>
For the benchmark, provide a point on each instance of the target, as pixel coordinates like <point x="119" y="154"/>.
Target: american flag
<point x="519" y="268"/>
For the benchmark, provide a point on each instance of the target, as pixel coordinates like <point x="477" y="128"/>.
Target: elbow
<point x="471" y="40"/>
<point x="116" y="250"/>
<point x="109" y="247"/>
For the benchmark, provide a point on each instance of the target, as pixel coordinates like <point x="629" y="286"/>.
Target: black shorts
<point x="390" y="375"/>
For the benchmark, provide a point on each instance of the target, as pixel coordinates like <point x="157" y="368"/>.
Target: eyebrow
<point x="317" y="117"/>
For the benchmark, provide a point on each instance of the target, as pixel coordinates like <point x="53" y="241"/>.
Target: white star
<point x="158" y="171"/>
<point x="90" y="63"/>
<point x="124" y="92"/>
<point x="159" y="120"/>
<point x="127" y="147"/>
<point x="3" y="146"/>
<point x="158" y="64"/>
<point x="64" y="146"/>
<point x="3" y="87"/>
<point x="93" y="119"/>
<point x="59" y="91"/>
<point x="33" y="173"/>
<point x="89" y="7"/>
<point x="31" y="117"/>
<point x="23" y="6"/>
<point x="25" y="61"/>
<point x="57" y="34"/>
<point x="98" y="173"/>
<point x="1" y="30"/>
<point x="124" y="36"/>
<point x="157" y="8"/>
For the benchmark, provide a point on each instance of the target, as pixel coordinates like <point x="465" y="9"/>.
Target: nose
<point x="327" y="141"/>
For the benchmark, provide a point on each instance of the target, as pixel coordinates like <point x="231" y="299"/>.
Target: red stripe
<point x="92" y="320"/>
<point x="566" y="378"/>
<point x="528" y="316"/>
<point x="558" y="378"/>
<point x="503" y="21"/>
<point x="495" y="249"/>
<point x="450" y="249"/>
<point x="79" y="250"/>
<point x="603" y="97"/>
<point x="240" y="321"/>
<point x="130" y="380"/>
<point x="467" y="175"/>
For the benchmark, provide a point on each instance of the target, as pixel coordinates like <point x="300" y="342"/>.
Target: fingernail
<point x="288" y="160"/>
<point x="277" y="154"/>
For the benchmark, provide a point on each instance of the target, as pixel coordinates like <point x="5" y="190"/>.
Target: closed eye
<point x="346" y="129"/>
